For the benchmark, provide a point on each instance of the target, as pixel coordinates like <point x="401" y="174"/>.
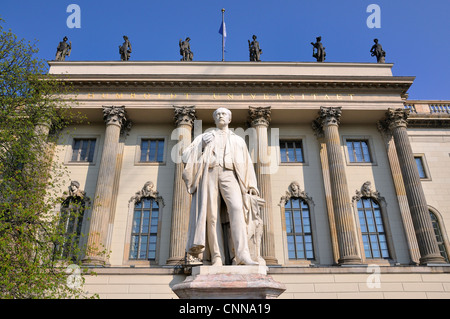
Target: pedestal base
<point x="229" y="282"/>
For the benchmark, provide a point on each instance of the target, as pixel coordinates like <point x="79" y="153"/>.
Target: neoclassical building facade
<point x="354" y="176"/>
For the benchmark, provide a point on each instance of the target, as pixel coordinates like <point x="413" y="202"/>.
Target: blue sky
<point x="415" y="34"/>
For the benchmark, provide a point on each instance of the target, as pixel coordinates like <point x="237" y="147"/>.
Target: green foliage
<point x="32" y="113"/>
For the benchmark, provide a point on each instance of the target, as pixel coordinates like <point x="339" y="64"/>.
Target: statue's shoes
<point x="217" y="262"/>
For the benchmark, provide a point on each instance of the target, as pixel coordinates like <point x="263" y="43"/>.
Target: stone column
<point x="184" y="120"/>
<point x="260" y="119"/>
<point x="97" y="250"/>
<point x="396" y="121"/>
<point x="327" y="124"/>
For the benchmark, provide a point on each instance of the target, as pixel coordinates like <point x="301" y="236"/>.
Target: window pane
<point x="420" y="168"/>
<point x="144" y="150"/>
<point x="136" y="222"/>
<point x="365" y="149"/>
<point x="298" y="152"/>
<point x="291" y="151"/>
<point x="160" y="151"/>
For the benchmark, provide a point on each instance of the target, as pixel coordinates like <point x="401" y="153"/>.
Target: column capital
<point x="184" y="115"/>
<point x="327" y="116"/>
<point x="259" y="115"/>
<point x="396" y="118"/>
<point x="114" y="115"/>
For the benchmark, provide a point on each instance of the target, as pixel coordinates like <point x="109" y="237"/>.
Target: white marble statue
<point x="218" y="164"/>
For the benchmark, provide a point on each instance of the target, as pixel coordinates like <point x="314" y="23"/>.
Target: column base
<point x="350" y="260"/>
<point x="94" y="261"/>
<point x="175" y="261"/>
<point x="432" y="259"/>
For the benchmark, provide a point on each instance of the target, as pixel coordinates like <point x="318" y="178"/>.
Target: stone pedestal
<point x="229" y="282"/>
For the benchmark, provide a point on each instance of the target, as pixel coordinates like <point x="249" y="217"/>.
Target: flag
<point x="223" y="32"/>
<point x="223" y="29"/>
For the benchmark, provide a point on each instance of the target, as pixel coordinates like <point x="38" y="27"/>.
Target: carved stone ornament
<point x="75" y="191"/>
<point x="294" y="191"/>
<point x="327" y="116"/>
<point x="184" y="115"/>
<point x="147" y="191"/>
<point x="259" y="115"/>
<point x="116" y="115"/>
<point x="366" y="191"/>
<point x="397" y="117"/>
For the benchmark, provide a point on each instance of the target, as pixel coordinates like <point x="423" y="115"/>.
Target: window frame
<point x="367" y="192"/>
<point x="293" y="138"/>
<point x="445" y="242"/>
<point x="137" y="158"/>
<point x="70" y="149"/>
<point x="426" y="170"/>
<point x="141" y="210"/>
<point x="299" y="194"/>
<point x="360" y="138"/>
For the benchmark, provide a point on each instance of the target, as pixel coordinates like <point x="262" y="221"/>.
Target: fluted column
<point x="96" y="254"/>
<point x="260" y="119"/>
<point x="184" y="120"/>
<point x="327" y="123"/>
<point x="396" y="120"/>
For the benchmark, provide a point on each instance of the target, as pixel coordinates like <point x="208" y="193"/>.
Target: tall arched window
<point x="70" y="221"/>
<point x="145" y="210"/>
<point x="372" y="229"/>
<point x="439" y="236"/>
<point x="144" y="231"/>
<point x="297" y="216"/>
<point x="369" y="206"/>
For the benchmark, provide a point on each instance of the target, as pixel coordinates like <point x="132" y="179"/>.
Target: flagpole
<point x="223" y="38"/>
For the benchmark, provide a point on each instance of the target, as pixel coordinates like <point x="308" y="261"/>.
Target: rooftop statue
<point x="378" y="51"/>
<point x="125" y="49"/>
<point x="319" y="50"/>
<point x="218" y="166"/>
<point x="63" y="50"/>
<point x="255" y="50"/>
<point x="185" y="50"/>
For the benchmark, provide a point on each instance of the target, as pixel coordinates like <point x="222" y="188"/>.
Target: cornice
<point x="401" y="84"/>
<point x="230" y="75"/>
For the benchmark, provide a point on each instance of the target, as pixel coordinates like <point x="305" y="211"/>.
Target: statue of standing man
<point x="185" y="50"/>
<point x="125" y="49"/>
<point x="255" y="50"/>
<point x="63" y="50"/>
<point x="218" y="165"/>
<point x="378" y="51"/>
<point x="319" y="50"/>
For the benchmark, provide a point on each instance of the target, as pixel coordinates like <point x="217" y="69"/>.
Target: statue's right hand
<point x="207" y="138"/>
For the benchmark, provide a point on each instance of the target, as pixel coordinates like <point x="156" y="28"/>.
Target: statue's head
<point x="188" y="39"/>
<point x="65" y="39"/>
<point x="319" y="39"/>
<point x="222" y="116"/>
<point x="375" y="40"/>
<point x="254" y="37"/>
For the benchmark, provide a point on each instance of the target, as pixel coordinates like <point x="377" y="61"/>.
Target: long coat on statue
<point x="195" y="174"/>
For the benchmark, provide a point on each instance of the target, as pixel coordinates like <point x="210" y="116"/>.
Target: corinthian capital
<point x="397" y="117"/>
<point x="115" y="115"/>
<point x="259" y="115"/>
<point x="327" y="116"/>
<point x="184" y="115"/>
